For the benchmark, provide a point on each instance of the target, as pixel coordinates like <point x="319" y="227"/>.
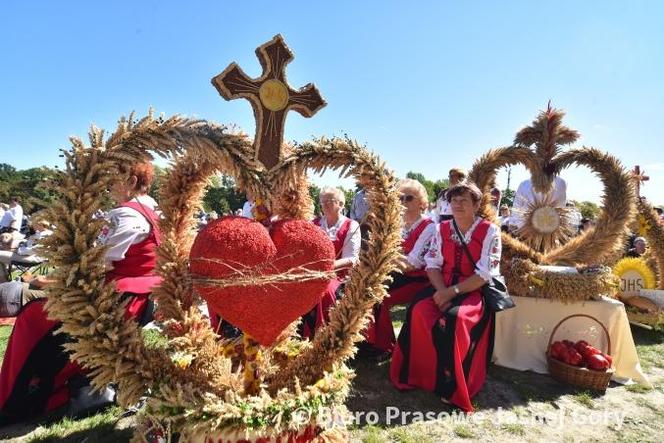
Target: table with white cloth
<point x="522" y="334"/>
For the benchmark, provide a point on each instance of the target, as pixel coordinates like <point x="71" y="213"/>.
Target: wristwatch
<point x="456" y="289"/>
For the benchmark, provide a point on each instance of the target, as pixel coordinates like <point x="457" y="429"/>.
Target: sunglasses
<point x="406" y="198"/>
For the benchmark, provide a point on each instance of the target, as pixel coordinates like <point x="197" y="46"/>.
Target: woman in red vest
<point x="446" y="342"/>
<point x="133" y="236"/>
<point x="37" y="375"/>
<point x="346" y="237"/>
<point x="417" y="232"/>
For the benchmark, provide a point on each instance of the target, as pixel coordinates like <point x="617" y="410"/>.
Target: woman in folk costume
<point x="347" y="238"/>
<point x="37" y="375"/>
<point x="446" y="342"/>
<point x="417" y="232"/>
<point x="133" y="236"/>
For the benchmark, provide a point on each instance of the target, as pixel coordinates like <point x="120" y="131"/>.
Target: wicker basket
<point x="574" y="375"/>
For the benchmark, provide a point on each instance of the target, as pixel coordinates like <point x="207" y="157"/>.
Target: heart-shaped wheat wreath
<point x="195" y="384"/>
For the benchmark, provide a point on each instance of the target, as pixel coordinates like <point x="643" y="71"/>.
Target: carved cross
<point x="639" y="177"/>
<point x="270" y="96"/>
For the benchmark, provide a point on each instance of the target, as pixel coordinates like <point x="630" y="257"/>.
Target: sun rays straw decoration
<point x="196" y="385"/>
<point x="539" y="147"/>
<point x="545" y="225"/>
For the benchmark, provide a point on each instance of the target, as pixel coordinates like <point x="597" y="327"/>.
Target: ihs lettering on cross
<point x="271" y="97"/>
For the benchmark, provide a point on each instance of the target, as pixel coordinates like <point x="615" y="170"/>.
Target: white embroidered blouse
<point x="416" y="256"/>
<point x="489" y="264"/>
<point x="351" y="246"/>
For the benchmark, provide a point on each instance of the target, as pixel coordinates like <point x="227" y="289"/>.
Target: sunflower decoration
<point x="634" y="274"/>
<point x="644" y="225"/>
<point x="545" y="226"/>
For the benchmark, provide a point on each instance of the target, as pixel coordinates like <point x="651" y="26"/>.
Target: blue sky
<point x="427" y="85"/>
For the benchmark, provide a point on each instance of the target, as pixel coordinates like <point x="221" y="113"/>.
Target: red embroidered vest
<point x="136" y="271"/>
<point x="454" y="255"/>
<point x="409" y="243"/>
<point x="341" y="235"/>
<point x="338" y="242"/>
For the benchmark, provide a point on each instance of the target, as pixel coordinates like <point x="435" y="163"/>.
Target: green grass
<point x="650" y="347"/>
<point x="585" y="398"/>
<point x="464" y="431"/>
<point x="514" y="428"/>
<point x="638" y="389"/>
<point x="372" y="435"/>
<point x="398" y="316"/>
<point x="154" y="339"/>
<point x="5" y="332"/>
<point x="408" y="435"/>
<point x="98" y="428"/>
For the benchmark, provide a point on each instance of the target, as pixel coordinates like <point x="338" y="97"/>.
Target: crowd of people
<point x="19" y="237"/>
<point x="448" y="253"/>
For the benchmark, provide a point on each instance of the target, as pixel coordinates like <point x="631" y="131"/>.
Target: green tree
<point x="159" y="175"/>
<point x="438" y="187"/>
<point x="508" y="197"/>
<point x="428" y="184"/>
<point x="433" y="188"/>
<point x="29" y="184"/>
<point x="222" y="195"/>
<point x="314" y="193"/>
<point x="588" y="209"/>
<point x="348" y="194"/>
<point x="7" y="177"/>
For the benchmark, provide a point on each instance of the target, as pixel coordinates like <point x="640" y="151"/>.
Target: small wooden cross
<point x="639" y="177"/>
<point x="270" y="96"/>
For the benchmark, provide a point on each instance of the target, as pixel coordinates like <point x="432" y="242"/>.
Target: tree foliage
<point x="223" y="196"/>
<point x="433" y="188"/>
<point x="588" y="209"/>
<point x="507" y="197"/>
<point x="29" y="184"/>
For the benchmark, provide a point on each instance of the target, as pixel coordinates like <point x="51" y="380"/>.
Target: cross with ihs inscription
<point x="270" y="97"/>
<point x="639" y="177"/>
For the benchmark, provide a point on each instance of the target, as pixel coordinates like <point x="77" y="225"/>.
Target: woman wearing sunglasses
<point x="346" y="237"/>
<point x="446" y="342"/>
<point x="416" y="234"/>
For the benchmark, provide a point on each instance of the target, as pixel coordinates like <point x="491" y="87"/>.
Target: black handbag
<point x="494" y="292"/>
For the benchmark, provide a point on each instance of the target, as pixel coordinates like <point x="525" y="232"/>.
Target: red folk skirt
<point x="445" y="353"/>
<point x="320" y="314"/>
<point x="402" y="291"/>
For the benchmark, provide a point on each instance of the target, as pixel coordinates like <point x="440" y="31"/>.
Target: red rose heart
<point x="231" y="247"/>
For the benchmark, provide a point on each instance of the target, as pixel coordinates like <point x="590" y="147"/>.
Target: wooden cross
<point x="639" y="177"/>
<point x="270" y="97"/>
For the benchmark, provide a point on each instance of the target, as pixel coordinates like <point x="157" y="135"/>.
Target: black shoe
<point x="84" y="402"/>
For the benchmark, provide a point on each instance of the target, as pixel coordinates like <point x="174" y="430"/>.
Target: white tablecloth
<point x="522" y="334"/>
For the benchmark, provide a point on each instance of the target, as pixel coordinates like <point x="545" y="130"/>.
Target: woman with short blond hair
<point x="446" y="341"/>
<point x="345" y="235"/>
<point x="416" y="233"/>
